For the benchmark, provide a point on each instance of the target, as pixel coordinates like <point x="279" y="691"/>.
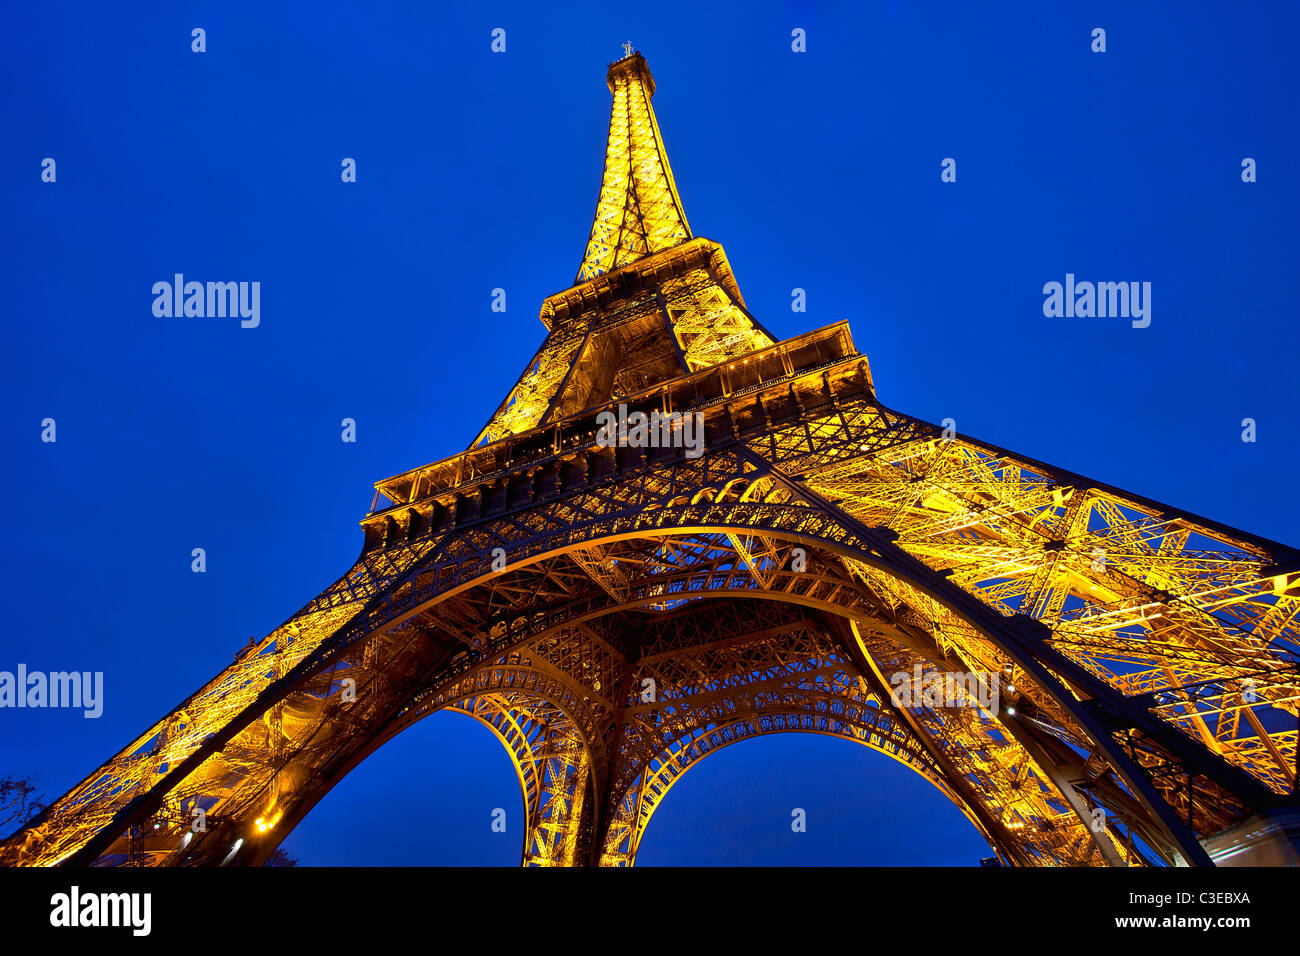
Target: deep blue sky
<point x="816" y="170"/>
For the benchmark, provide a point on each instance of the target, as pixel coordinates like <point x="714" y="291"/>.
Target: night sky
<point x="477" y="170"/>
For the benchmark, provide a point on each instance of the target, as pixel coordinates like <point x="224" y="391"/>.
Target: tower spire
<point x="639" y="211"/>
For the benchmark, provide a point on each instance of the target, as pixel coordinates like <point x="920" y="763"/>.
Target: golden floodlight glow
<point x="658" y="606"/>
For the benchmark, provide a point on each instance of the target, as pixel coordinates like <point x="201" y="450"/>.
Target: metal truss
<point x="638" y="211"/>
<point x="655" y="607"/>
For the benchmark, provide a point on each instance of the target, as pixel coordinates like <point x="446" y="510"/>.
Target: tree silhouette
<point x="17" y="803"/>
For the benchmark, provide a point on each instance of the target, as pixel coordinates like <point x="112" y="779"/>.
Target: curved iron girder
<point x="810" y="522"/>
<point x="873" y="553"/>
<point x="503" y="716"/>
<point x="628" y="841"/>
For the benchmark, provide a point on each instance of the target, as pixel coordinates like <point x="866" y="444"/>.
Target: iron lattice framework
<point x="821" y="543"/>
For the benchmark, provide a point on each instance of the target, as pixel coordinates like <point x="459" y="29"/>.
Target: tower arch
<point x="1124" y="629"/>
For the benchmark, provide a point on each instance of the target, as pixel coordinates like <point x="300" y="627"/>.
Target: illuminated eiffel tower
<point x="617" y="610"/>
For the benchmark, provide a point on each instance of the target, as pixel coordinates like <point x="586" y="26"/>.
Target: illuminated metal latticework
<point x="656" y="607"/>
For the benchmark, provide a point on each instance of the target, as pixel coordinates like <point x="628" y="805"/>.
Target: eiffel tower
<point x="616" y="611"/>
